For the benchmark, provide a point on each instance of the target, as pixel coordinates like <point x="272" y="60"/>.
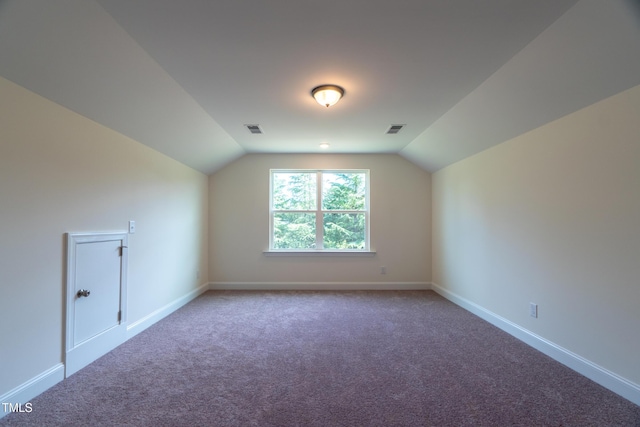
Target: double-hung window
<point x="319" y="210"/>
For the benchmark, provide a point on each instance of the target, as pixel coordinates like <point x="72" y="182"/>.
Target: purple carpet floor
<point x="297" y="358"/>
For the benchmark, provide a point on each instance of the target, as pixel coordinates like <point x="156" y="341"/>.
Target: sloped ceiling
<point x="185" y="77"/>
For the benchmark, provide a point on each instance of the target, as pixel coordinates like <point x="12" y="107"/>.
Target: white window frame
<point x="319" y="211"/>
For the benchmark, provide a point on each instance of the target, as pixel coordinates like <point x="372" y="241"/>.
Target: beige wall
<point x="552" y="217"/>
<point x="400" y="223"/>
<point x="60" y="172"/>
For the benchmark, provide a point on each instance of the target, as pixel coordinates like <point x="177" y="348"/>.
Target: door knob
<point x="83" y="293"/>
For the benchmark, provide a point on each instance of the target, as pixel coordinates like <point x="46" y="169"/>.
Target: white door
<point x="97" y="288"/>
<point x="96" y="281"/>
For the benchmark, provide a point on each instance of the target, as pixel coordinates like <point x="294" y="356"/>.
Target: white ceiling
<point x="183" y="77"/>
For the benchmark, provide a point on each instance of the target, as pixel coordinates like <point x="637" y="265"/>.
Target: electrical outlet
<point x="132" y="227"/>
<point x="383" y="270"/>
<point x="533" y="309"/>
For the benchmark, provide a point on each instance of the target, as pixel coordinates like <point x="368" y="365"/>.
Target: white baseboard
<point x="30" y="389"/>
<point x="320" y="286"/>
<point x="594" y="372"/>
<point x="140" y="325"/>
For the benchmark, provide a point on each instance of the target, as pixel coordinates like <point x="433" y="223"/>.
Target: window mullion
<point x="319" y="219"/>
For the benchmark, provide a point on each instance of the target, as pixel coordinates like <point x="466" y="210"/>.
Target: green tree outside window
<point x="315" y="210"/>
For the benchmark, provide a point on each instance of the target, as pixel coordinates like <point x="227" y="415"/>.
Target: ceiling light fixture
<point x="327" y="95"/>
<point x="324" y="145"/>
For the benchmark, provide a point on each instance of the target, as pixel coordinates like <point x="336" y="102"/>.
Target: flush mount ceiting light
<point x="327" y="95"/>
<point x="324" y="145"/>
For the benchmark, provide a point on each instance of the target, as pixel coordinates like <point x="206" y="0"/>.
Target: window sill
<point x="320" y="253"/>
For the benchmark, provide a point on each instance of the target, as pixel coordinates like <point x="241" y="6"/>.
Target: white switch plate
<point x="533" y="309"/>
<point x="132" y="227"/>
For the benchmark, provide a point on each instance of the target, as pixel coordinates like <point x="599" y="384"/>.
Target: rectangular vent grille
<point x="394" y="129"/>
<point x="255" y="129"/>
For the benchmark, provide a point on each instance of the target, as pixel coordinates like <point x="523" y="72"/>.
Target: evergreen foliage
<point x="343" y="210"/>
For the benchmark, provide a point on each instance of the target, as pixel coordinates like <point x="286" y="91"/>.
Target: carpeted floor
<point x="295" y="358"/>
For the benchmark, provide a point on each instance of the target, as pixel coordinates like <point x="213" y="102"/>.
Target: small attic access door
<point x="96" y="296"/>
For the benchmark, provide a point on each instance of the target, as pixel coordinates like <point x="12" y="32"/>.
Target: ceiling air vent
<point x="255" y="129"/>
<point x="393" y="129"/>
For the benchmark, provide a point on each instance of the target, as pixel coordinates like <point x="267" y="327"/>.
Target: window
<point x="319" y="210"/>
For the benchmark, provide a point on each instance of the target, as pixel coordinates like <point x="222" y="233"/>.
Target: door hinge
<point x="122" y="248"/>
<point x="119" y="316"/>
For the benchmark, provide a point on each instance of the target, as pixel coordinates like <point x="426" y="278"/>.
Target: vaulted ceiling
<point x="184" y="77"/>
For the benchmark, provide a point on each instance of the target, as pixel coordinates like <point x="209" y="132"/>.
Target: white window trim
<point x="367" y="251"/>
<point x="318" y="252"/>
